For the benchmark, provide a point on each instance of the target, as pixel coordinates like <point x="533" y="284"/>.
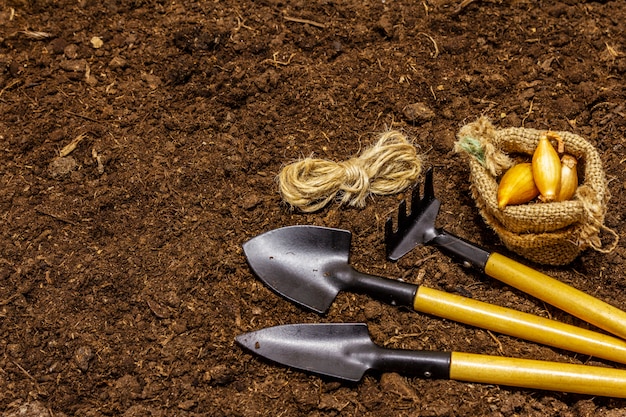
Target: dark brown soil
<point x="122" y="279"/>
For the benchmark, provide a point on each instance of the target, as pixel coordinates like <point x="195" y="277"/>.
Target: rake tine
<point x="390" y="235"/>
<point x="429" y="191"/>
<point x="415" y="200"/>
<point x="403" y="218"/>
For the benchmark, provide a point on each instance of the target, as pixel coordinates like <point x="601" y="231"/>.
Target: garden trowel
<point x="346" y="351"/>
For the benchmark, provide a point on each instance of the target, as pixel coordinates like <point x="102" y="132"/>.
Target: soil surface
<point x="140" y="142"/>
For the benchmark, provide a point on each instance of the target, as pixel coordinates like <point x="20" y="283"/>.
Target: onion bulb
<point x="546" y="167"/>
<point x="569" y="178"/>
<point x="517" y="186"/>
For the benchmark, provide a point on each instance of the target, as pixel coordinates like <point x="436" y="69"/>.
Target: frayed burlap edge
<point x="547" y="233"/>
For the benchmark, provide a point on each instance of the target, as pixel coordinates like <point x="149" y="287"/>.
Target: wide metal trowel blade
<point x="298" y="262"/>
<point x="337" y="350"/>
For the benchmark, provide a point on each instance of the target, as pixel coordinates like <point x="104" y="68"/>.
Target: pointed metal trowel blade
<point x="338" y="350"/>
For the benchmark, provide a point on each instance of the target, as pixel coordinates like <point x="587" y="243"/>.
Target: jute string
<point x="388" y="167"/>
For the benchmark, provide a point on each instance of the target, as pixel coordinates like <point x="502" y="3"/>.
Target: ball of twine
<point x="388" y="167"/>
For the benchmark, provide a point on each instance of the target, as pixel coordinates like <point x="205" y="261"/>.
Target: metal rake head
<point x="414" y="228"/>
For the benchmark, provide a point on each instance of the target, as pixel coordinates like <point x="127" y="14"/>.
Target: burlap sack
<point x="546" y="233"/>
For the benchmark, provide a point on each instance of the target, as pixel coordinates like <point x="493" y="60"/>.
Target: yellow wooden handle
<point x="516" y="323"/>
<point x="526" y="373"/>
<point x="558" y="294"/>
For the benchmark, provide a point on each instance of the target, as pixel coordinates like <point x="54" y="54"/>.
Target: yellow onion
<point x="546" y="167"/>
<point x="569" y="178"/>
<point x="517" y="186"/>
